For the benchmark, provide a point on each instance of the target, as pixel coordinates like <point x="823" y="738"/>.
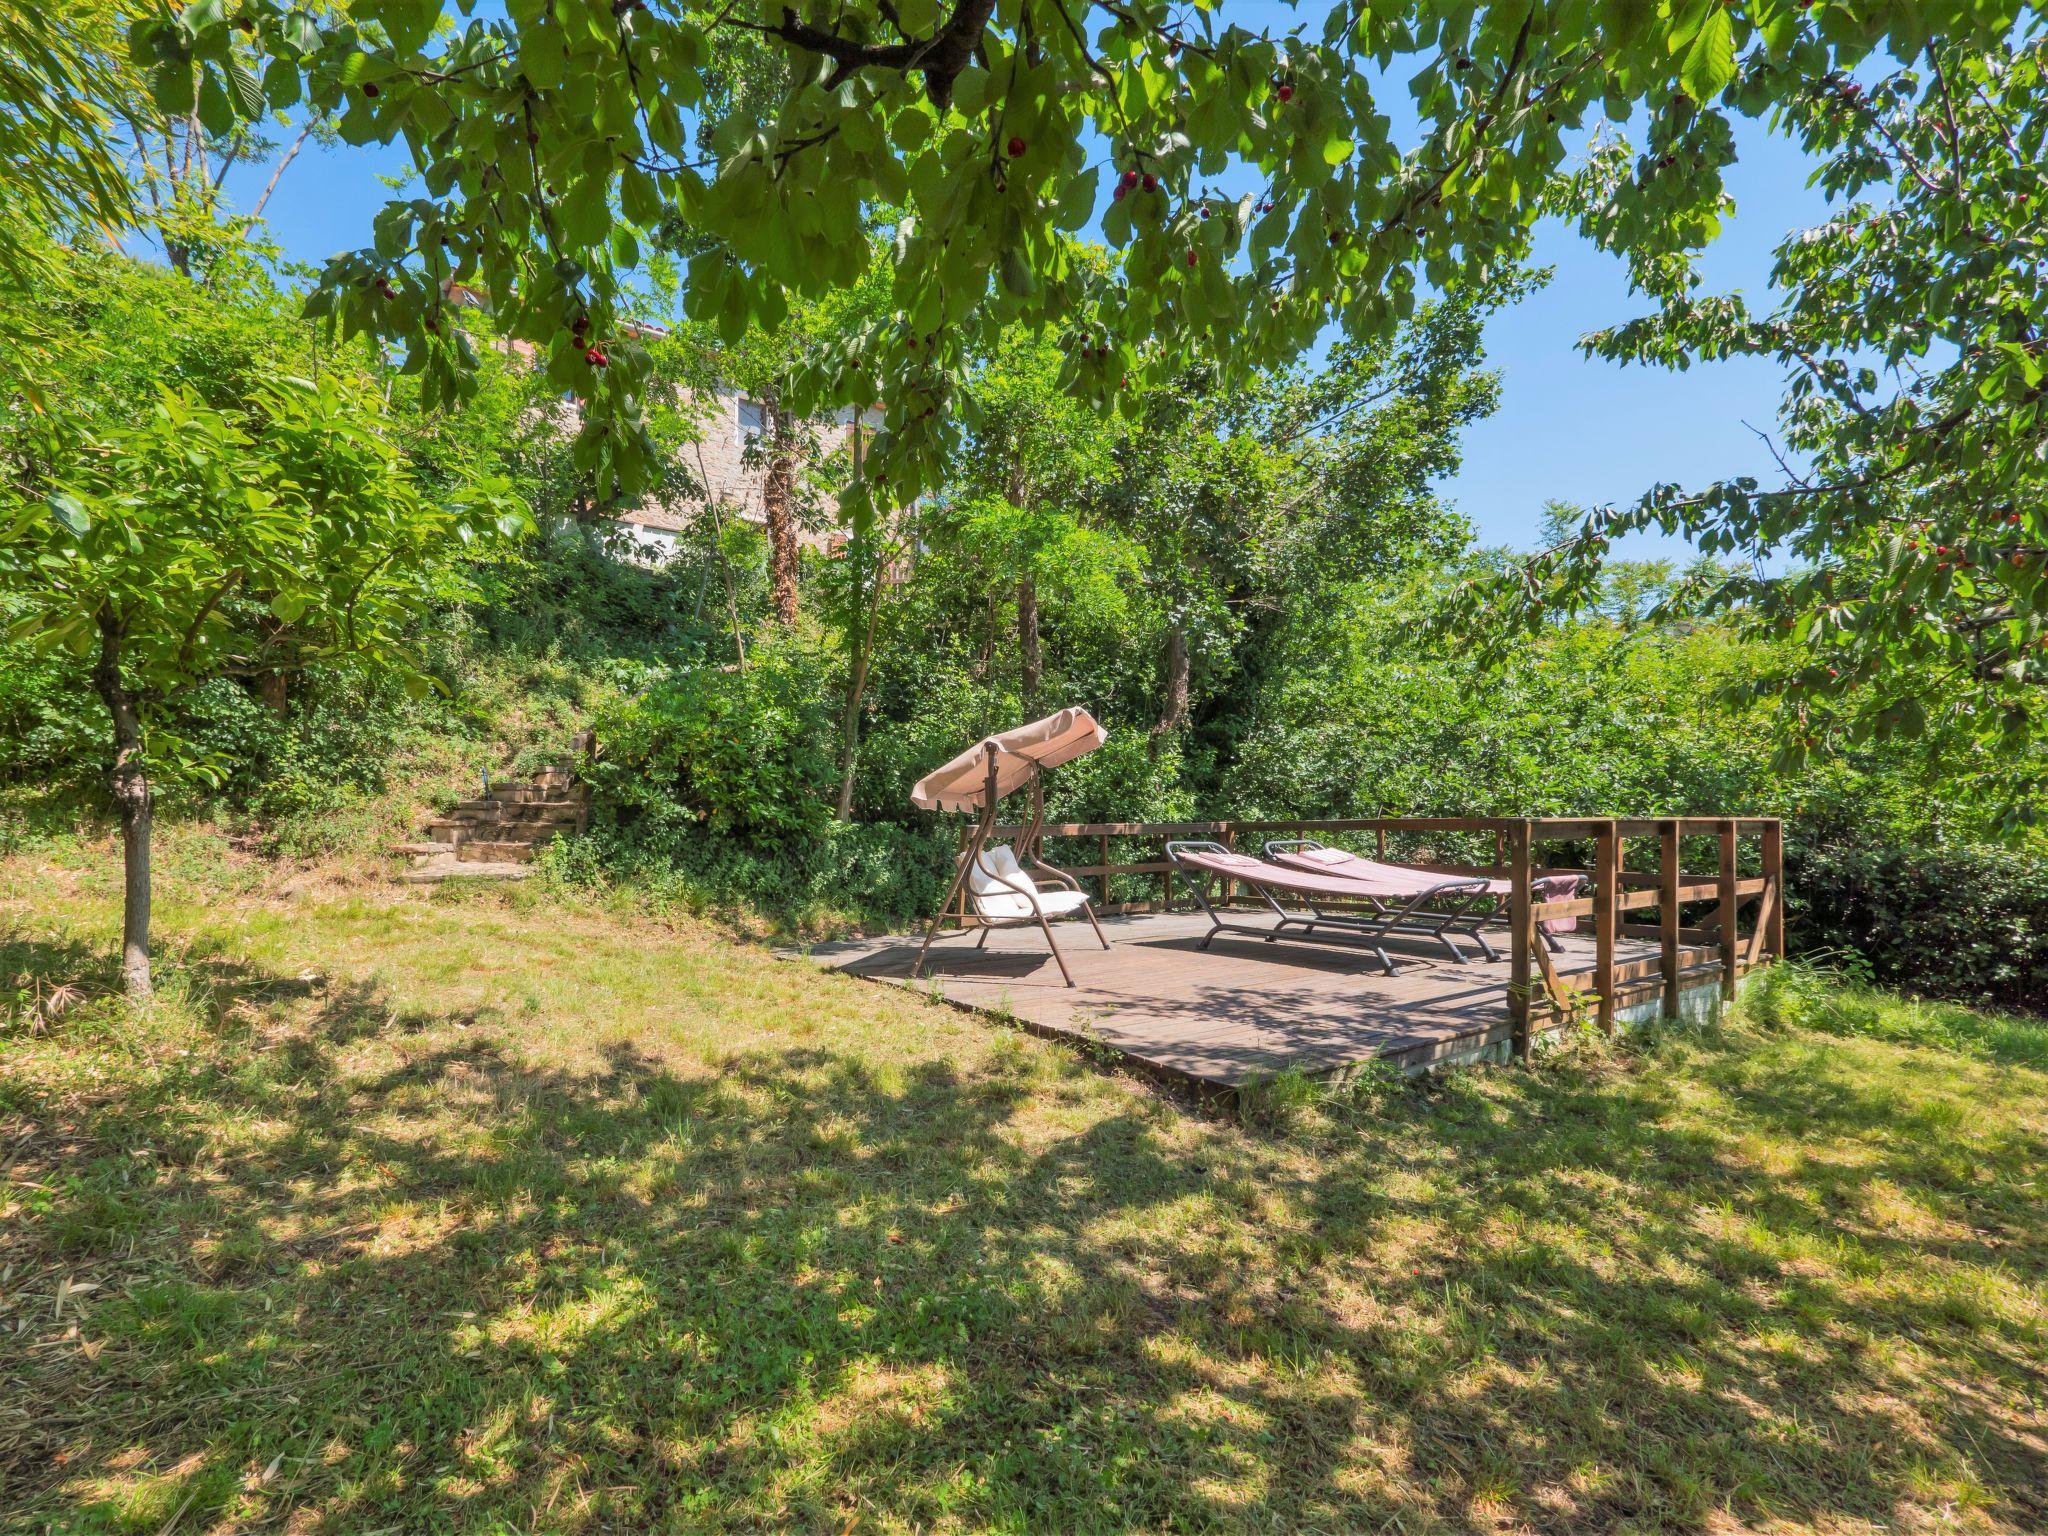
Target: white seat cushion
<point x="998" y="883"/>
<point x="1061" y="903"/>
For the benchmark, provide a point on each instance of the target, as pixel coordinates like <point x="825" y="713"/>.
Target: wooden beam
<point x="1756" y="948"/>
<point x="1667" y="911"/>
<point x="1553" y="989"/>
<point x="1727" y="911"/>
<point x="1606" y="886"/>
<point x="1693" y="960"/>
<point x="1521" y="933"/>
<point x="1688" y="932"/>
<point x="1771" y="918"/>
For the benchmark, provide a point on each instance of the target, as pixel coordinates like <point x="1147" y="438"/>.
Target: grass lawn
<point x="484" y="1213"/>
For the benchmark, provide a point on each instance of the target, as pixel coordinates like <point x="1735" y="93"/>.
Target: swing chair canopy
<point x="962" y="783"/>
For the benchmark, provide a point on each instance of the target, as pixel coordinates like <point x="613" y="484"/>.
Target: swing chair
<point x="1001" y="890"/>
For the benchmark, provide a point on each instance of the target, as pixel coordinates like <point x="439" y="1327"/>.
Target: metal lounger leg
<point x="1198" y="887"/>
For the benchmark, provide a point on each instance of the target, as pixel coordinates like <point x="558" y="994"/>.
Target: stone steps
<point x="499" y="833"/>
<point x="473" y="851"/>
<point x="433" y="872"/>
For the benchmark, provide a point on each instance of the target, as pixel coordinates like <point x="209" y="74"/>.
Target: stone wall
<point x="721" y="460"/>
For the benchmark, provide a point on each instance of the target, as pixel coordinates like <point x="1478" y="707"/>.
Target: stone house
<point x="730" y="423"/>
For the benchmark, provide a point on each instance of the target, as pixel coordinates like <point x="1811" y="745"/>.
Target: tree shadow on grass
<point x="456" y="1288"/>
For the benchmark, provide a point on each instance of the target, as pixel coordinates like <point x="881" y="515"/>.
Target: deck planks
<point x="1242" y="1010"/>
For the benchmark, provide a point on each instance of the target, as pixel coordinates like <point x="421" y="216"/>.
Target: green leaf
<point x="1709" y="64"/>
<point x="243" y="90"/>
<point x="281" y="84"/>
<point x="70" y="512"/>
<point x="542" y="61"/>
<point x="1017" y="275"/>
<point x="171" y="86"/>
<point x="638" y="197"/>
<point x="302" y="32"/>
<point x="216" y="111"/>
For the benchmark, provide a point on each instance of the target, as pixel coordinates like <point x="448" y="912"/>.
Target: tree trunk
<point x="778" y="505"/>
<point x="732" y="601"/>
<point x="128" y="778"/>
<point x="849" y="749"/>
<point x="270" y="686"/>
<point x="1174" y="709"/>
<point x="863" y="649"/>
<point x="857" y="681"/>
<point x="1030" y="667"/>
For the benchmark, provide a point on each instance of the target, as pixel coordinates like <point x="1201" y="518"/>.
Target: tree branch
<point x="232" y="580"/>
<point x="271" y="186"/>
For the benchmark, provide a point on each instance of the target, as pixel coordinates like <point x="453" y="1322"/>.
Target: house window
<point x="748" y="418"/>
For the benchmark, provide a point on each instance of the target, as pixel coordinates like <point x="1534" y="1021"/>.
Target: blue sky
<point x="1569" y="427"/>
<point x="1587" y="431"/>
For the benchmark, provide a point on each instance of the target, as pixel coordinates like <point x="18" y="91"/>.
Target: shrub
<point x="713" y="790"/>
<point x="1964" y="922"/>
<point x="843" y="872"/>
<point x="743" y="751"/>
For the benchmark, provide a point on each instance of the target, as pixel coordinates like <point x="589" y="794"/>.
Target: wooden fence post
<point x="1731" y="953"/>
<point x="1606" y="911"/>
<point x="1520" y="931"/>
<point x="1667" y="911"/>
<point x="1772" y="913"/>
<point x="1228" y="839"/>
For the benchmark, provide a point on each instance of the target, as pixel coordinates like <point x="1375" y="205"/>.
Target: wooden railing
<point x="1637" y="881"/>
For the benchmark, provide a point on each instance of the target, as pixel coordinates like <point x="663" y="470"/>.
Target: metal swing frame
<point x="1027" y="856"/>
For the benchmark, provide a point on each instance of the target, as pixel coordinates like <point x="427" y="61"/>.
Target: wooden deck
<point x="1241" y="1010"/>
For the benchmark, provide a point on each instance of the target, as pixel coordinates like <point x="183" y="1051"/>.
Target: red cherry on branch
<point x="1016" y="148"/>
<point x="1151" y="182"/>
<point x="1285" y="93"/>
<point x="1191" y="258"/>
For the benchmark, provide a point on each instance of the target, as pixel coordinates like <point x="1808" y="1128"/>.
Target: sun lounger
<point x="1305" y="853"/>
<point x="1410" y="902"/>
